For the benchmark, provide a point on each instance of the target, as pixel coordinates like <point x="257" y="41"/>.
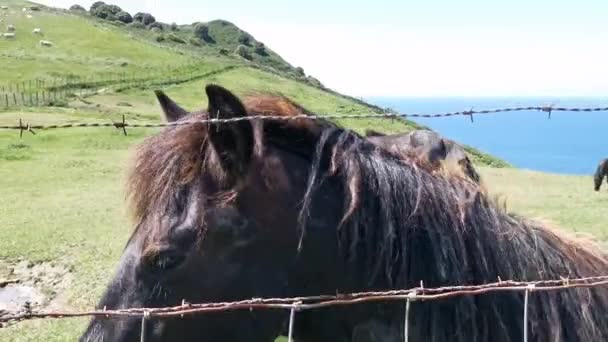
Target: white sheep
<point x="29" y="16"/>
<point x="46" y="43"/>
<point x="24" y="9"/>
<point x="37" y="31"/>
<point x="4" y="8"/>
<point x="8" y="35"/>
<point x="10" y="28"/>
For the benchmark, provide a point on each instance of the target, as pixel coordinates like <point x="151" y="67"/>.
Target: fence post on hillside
<point x="6" y="99"/>
<point x="22" y="98"/>
<point x="15" y="99"/>
<point x="406" y="323"/>
<point x="292" y="318"/>
<point x="43" y="97"/>
<point x="31" y="100"/>
<point x="37" y="99"/>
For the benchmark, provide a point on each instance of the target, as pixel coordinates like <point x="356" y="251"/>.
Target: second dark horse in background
<point x="428" y="146"/>
<point x="602" y="171"/>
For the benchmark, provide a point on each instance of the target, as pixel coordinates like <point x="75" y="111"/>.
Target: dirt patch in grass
<point x="27" y="286"/>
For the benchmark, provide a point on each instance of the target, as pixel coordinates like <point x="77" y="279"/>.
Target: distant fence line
<point x="297" y="304"/>
<point x="23" y="126"/>
<point x="43" y="92"/>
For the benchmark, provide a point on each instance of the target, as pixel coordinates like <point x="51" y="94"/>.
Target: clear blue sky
<point x="421" y="48"/>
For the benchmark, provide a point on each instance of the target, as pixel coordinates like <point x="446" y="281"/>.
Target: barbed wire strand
<point x="317" y="302"/>
<point x="124" y="125"/>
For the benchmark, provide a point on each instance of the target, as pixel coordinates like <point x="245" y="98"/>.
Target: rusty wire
<point x="22" y="126"/>
<point x="323" y="301"/>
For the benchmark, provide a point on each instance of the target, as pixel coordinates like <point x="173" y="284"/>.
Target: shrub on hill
<point x="137" y="25"/>
<point x="195" y="41"/>
<point x="174" y="27"/>
<point x="144" y="18"/>
<point x="175" y="38"/>
<point x="156" y="25"/>
<point x="243" y="51"/>
<point x="77" y="8"/>
<point x="106" y="11"/>
<point x="95" y="5"/>
<point x="315" y="82"/>
<point x="260" y="49"/>
<point x="300" y="71"/>
<point x="124" y="17"/>
<point x="244" y="39"/>
<point x="201" y="31"/>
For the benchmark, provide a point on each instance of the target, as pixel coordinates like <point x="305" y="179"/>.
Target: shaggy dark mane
<point x="403" y="225"/>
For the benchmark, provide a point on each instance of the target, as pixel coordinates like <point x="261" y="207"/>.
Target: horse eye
<point x="167" y="260"/>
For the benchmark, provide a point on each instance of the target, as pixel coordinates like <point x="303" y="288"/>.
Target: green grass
<point x="81" y="47"/>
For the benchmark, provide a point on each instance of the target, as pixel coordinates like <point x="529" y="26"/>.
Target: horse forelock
<point x="179" y="155"/>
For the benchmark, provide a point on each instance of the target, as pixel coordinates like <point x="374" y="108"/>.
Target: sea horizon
<point x="568" y="143"/>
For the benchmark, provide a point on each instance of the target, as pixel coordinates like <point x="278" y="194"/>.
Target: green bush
<point x="174" y="38"/>
<point x="77" y="8"/>
<point x="243" y="51"/>
<point x="106" y="11"/>
<point x="195" y="41"/>
<point x="144" y="18"/>
<point x="300" y="71"/>
<point x="201" y="31"/>
<point x="244" y="39"/>
<point x="137" y="25"/>
<point x="260" y="49"/>
<point x="160" y="38"/>
<point x="174" y="27"/>
<point x="156" y="25"/>
<point x="124" y="17"/>
<point x="95" y="5"/>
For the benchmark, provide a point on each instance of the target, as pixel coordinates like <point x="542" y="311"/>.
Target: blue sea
<point x="568" y="143"/>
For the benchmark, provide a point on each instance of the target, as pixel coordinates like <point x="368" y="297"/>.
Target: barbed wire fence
<point x="298" y="304"/>
<point x="23" y="126"/>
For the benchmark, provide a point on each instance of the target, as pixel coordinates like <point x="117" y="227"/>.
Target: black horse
<point x="600" y="173"/>
<point x="230" y="211"/>
<point x="428" y="146"/>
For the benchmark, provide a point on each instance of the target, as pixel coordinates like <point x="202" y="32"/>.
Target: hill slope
<point x="89" y="52"/>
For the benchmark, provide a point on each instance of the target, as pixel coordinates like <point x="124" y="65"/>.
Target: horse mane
<point x="403" y="224"/>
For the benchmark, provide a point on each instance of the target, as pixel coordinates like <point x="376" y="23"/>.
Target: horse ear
<point x="233" y="141"/>
<point x="443" y="149"/>
<point x="172" y="110"/>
